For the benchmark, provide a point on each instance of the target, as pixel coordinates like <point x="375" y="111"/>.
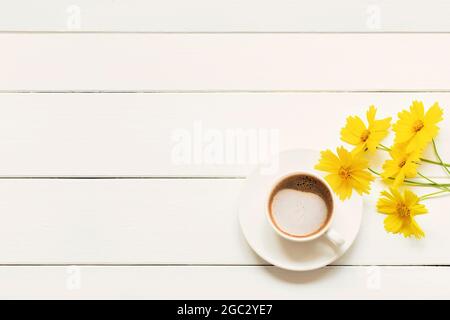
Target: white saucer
<point x="281" y="252"/>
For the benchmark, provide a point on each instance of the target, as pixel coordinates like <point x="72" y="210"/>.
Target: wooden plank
<point x="171" y="221"/>
<point x="225" y="16"/>
<point x="161" y="134"/>
<point x="213" y="282"/>
<point x="190" y="62"/>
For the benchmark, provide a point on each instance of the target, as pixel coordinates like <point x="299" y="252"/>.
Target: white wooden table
<point x="92" y="203"/>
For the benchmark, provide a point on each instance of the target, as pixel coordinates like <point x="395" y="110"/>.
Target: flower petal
<point x="393" y="223"/>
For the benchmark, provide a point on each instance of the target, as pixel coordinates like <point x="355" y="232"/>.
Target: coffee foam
<point x="298" y="213"/>
<point x="300" y="205"/>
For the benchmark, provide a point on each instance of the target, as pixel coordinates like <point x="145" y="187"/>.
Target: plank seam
<point x="142" y="177"/>
<point x="124" y="177"/>
<point x="221" y="91"/>
<point x="201" y="265"/>
<point x="6" y="31"/>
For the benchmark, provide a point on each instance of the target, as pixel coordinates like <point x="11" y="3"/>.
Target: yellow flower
<point x="347" y="171"/>
<point x="415" y="128"/>
<point x="365" y="138"/>
<point x="401" y="210"/>
<point x="402" y="165"/>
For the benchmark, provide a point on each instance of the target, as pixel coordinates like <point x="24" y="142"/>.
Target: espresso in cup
<point x="300" y="206"/>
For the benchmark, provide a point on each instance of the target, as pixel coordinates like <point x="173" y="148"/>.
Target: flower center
<point x="418" y="125"/>
<point x="403" y="210"/>
<point x="402" y="163"/>
<point x="365" y="135"/>
<point x="344" y="173"/>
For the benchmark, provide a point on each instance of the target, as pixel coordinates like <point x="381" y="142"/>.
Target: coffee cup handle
<point x="334" y="237"/>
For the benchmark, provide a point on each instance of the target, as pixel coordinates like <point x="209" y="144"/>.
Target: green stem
<point x="431" y="195"/>
<point x="426" y="178"/>
<point x="439" y="157"/>
<point x="383" y="147"/>
<point x="434" y="183"/>
<point x="417" y="184"/>
<point x="443" y="164"/>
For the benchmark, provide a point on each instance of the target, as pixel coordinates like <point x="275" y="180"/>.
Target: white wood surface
<point x="133" y="134"/>
<point x="219" y="282"/>
<point x="83" y="108"/>
<point x="240" y="62"/>
<point x="172" y="221"/>
<point x="225" y="16"/>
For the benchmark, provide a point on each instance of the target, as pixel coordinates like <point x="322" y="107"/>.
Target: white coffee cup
<point x="325" y="230"/>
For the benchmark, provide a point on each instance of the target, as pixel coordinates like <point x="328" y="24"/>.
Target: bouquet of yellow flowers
<point x="347" y="170"/>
